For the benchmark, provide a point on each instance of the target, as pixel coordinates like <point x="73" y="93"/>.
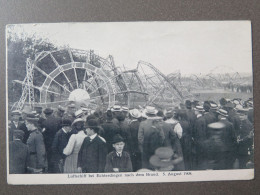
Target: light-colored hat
<point x="125" y="109"/>
<point x="16" y="112"/>
<point x="77" y="120"/>
<point x="162" y="157"/>
<point x="79" y="113"/>
<point x="116" y="108"/>
<point x="213" y="106"/>
<point x="199" y="108"/>
<point x="222" y="112"/>
<point x="72" y="106"/>
<point x="216" y="126"/>
<point x="150" y="110"/>
<point x="135" y="113"/>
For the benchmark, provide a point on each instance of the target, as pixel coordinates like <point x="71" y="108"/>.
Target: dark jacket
<point x="18" y="157"/>
<point x="59" y="143"/>
<point x="123" y="163"/>
<point x="133" y="131"/>
<point x="92" y="155"/>
<point x="245" y="128"/>
<point x="200" y="134"/>
<point x="191" y="117"/>
<point x="52" y="126"/>
<point x="37" y="152"/>
<point x="229" y="136"/>
<point x="21" y="126"/>
<point x="110" y="130"/>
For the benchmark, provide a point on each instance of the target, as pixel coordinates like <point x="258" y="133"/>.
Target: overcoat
<point x="92" y="155"/>
<point x="18" y="157"/>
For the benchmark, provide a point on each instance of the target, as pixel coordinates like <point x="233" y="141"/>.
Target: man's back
<point x="18" y="157"/>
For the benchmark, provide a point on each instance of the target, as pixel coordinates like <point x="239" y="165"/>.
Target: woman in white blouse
<point x="73" y="147"/>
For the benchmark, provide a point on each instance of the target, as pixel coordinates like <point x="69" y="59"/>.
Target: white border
<point x="145" y="177"/>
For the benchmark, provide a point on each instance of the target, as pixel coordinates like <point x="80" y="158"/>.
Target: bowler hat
<point x="61" y="109"/>
<point x="117" y="138"/>
<point x="229" y="105"/>
<point x="48" y="111"/>
<point x="188" y="104"/>
<point x="206" y="106"/>
<point x="92" y="123"/>
<point x="66" y="122"/>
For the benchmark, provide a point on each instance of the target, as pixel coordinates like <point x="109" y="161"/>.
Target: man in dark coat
<point x="59" y="143"/>
<point x="200" y="136"/>
<point x="92" y="155"/>
<point x="18" y="154"/>
<point x="50" y="127"/>
<point x="35" y="143"/>
<point x="110" y="130"/>
<point x="124" y="130"/>
<point x="150" y="135"/>
<point x="229" y="140"/>
<point x="233" y="117"/>
<point x="135" y="153"/>
<point x="245" y="139"/>
<point x="191" y="116"/>
<point x="186" y="139"/>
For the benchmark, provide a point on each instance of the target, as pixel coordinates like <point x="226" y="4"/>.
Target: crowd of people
<point x="193" y="136"/>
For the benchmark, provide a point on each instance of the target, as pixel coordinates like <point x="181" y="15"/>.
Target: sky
<point x="188" y="47"/>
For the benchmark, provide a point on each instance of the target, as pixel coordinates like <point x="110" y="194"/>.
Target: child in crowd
<point x="118" y="160"/>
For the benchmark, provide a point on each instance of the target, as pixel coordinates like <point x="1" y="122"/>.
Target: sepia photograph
<point x="129" y="102"/>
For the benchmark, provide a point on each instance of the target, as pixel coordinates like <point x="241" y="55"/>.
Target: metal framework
<point x="53" y="75"/>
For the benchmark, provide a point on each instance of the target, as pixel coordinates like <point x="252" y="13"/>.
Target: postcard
<point x="129" y="102"/>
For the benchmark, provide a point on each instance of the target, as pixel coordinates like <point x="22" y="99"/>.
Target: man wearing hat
<point x="200" y="136"/>
<point x="18" y="154"/>
<point x="59" y="143"/>
<point x="208" y="116"/>
<point x="169" y="114"/>
<point x="118" y="160"/>
<point x="165" y="159"/>
<point x="233" y="117"/>
<point x="110" y="130"/>
<point x="125" y="111"/>
<point x="70" y="112"/>
<point x="50" y="127"/>
<point x="229" y="139"/>
<point x="93" y="151"/>
<point x="245" y="139"/>
<point x="150" y="135"/>
<point x="216" y="151"/>
<point x="190" y="113"/>
<point x="116" y="110"/>
<point x="16" y="124"/>
<point x="60" y="112"/>
<point x="35" y="143"/>
<point x="135" y="117"/>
